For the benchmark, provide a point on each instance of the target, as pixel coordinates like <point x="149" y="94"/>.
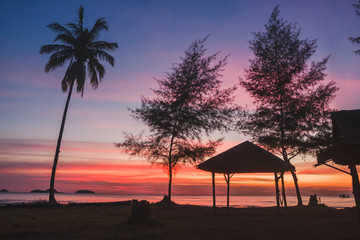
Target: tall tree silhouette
<point x="356" y="39"/>
<point x="292" y="101"/>
<point x="188" y="104"/>
<point x="79" y="47"/>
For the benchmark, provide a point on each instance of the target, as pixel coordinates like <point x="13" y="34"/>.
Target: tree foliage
<point x="291" y="97"/>
<point x="80" y="48"/>
<point x="356" y="39"/>
<point x="292" y="101"/>
<point x="188" y="104"/>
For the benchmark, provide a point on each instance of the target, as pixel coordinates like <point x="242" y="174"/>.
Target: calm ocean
<point x="235" y="201"/>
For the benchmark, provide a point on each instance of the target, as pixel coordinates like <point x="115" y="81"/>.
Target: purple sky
<point x="151" y="35"/>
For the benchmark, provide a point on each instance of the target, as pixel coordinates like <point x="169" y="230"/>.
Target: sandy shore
<point x="108" y="221"/>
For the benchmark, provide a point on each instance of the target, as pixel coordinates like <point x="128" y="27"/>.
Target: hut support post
<point x="227" y="177"/>
<point x="283" y="189"/>
<point x="277" y="191"/>
<point x="213" y="187"/>
<point x="356" y="187"/>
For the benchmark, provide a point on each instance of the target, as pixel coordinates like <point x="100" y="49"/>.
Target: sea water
<point x="235" y="201"/>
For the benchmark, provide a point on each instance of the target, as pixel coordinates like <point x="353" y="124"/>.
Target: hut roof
<point x="346" y="139"/>
<point x="245" y="158"/>
<point x="346" y="127"/>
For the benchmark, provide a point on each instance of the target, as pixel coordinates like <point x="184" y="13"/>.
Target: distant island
<point x="43" y="191"/>
<point x="85" y="191"/>
<point x="4" y="190"/>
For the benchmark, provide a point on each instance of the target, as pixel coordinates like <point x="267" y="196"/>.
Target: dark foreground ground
<point x="108" y="221"/>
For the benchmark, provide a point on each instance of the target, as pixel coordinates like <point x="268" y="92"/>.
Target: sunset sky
<point x="151" y="36"/>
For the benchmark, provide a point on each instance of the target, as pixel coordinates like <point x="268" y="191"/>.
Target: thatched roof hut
<point x="245" y="158"/>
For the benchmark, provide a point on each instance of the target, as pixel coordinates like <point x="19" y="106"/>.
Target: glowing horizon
<point x="102" y="168"/>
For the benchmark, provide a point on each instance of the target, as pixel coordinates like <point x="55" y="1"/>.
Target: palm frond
<point x="99" y="25"/>
<point x="68" y="78"/>
<point x="64" y="84"/>
<point x="103" y="45"/>
<point x="56" y="27"/>
<point x="50" y="48"/>
<point x="74" y="28"/>
<point x="64" y="38"/>
<point x="58" y="59"/>
<point x="80" y="73"/>
<point x="81" y="17"/>
<point x="99" y="68"/>
<point x="94" y="81"/>
<point x="102" y="55"/>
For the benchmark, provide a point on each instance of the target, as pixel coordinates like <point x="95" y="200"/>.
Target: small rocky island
<point x="85" y="191"/>
<point x="4" y="190"/>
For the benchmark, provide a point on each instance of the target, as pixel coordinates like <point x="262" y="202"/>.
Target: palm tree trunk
<point x="52" y="180"/>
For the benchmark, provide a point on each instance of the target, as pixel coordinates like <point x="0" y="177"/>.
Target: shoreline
<point x="235" y="201"/>
<point x="37" y="204"/>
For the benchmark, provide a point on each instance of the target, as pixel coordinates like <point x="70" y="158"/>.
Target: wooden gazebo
<point x="245" y="158"/>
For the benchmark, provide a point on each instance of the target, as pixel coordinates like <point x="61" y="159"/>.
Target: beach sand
<point x="108" y="221"/>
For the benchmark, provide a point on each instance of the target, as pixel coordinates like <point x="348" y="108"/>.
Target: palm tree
<point x="80" y="48"/>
